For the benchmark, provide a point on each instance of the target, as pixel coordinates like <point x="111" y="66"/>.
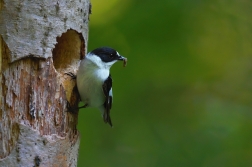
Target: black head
<point x="107" y="54"/>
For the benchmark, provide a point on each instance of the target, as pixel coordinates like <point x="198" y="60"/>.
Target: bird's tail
<point x="107" y="119"/>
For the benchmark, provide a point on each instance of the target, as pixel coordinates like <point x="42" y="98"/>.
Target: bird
<point x="94" y="81"/>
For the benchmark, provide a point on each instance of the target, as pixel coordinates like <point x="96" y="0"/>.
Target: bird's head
<point x="104" y="57"/>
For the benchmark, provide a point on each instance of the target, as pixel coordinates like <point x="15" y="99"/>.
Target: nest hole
<point x="70" y="47"/>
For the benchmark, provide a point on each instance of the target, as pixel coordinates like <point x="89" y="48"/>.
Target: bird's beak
<point x="121" y="58"/>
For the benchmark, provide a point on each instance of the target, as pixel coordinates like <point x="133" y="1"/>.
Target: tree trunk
<point x="40" y="40"/>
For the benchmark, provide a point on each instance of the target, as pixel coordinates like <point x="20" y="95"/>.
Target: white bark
<point x="39" y="40"/>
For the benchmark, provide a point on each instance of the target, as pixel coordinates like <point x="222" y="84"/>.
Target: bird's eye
<point x="111" y="55"/>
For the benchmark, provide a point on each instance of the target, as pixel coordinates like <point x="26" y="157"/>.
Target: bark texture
<point x="40" y="40"/>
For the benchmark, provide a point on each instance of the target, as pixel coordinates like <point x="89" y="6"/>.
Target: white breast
<point x="90" y="79"/>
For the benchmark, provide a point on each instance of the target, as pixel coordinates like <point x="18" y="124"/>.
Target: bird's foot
<point x="72" y="75"/>
<point x="83" y="106"/>
<point x="74" y="110"/>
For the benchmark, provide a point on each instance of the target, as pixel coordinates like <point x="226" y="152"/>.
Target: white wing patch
<point x="110" y="92"/>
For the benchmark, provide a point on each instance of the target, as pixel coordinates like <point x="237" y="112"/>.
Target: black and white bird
<point x="94" y="81"/>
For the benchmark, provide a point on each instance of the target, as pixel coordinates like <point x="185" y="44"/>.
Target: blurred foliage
<point x="184" y="100"/>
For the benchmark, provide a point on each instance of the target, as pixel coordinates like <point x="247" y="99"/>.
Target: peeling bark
<point x="39" y="41"/>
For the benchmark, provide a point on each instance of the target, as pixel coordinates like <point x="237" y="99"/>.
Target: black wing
<point x="107" y="90"/>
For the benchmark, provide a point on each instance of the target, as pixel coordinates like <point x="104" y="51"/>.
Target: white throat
<point x="98" y="62"/>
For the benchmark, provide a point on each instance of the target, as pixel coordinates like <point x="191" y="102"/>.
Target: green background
<point x="184" y="99"/>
